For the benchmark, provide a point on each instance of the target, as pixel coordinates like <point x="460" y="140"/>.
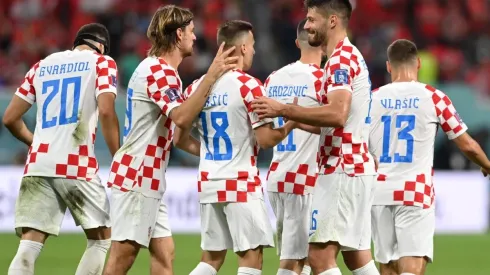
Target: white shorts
<point x="293" y="224"/>
<point x="341" y="211"/>
<point x="138" y="218"/>
<point x="42" y="204"/>
<point x="240" y="226"/>
<point x="402" y="231"/>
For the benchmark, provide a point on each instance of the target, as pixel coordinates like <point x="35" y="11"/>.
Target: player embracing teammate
<point x="340" y="217"/>
<point x="154" y="104"/>
<point x="233" y="212"/>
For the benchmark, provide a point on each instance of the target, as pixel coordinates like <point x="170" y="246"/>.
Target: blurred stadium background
<point x="454" y="47"/>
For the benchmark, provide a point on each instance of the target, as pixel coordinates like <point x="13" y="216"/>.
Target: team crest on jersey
<point x="113" y="80"/>
<point x="173" y="94"/>
<point x="456" y="115"/>
<point x="341" y="76"/>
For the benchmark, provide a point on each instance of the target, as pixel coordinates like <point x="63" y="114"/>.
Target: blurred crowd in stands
<point x="453" y="34"/>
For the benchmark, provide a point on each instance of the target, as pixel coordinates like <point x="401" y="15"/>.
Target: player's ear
<point x="418" y="63"/>
<point x="333" y="20"/>
<point x="388" y="67"/>
<point x="297" y="43"/>
<point x="243" y="49"/>
<point x="180" y="33"/>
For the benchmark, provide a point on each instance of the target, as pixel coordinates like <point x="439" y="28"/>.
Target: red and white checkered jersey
<point x="345" y="150"/>
<point x="294" y="165"/>
<point x="65" y="86"/>
<point x="154" y="90"/>
<point x="228" y="170"/>
<point x="406" y="116"/>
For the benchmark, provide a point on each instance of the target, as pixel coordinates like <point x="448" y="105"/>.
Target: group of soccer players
<point x="369" y="178"/>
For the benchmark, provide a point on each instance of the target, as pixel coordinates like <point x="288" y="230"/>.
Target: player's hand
<point x="294" y="123"/>
<point x="485" y="172"/>
<point x="267" y="107"/>
<point x="222" y="63"/>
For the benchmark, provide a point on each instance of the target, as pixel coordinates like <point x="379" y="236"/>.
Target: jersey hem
<point x="25" y="98"/>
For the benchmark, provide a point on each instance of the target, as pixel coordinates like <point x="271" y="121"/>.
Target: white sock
<point x="203" y="269"/>
<point x="331" y="271"/>
<point x="93" y="259"/>
<point x="405" y="273"/>
<point x="23" y="262"/>
<point x="249" y="271"/>
<point x="306" y="270"/>
<point x="368" y="269"/>
<point x="282" y="271"/>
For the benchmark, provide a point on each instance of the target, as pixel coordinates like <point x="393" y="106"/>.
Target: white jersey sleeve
<point x="294" y="164"/>
<point x="251" y="90"/>
<point x="27" y="91"/>
<point x="406" y="116"/>
<point x="447" y="116"/>
<point x="164" y="89"/>
<point x="65" y="86"/>
<point x="106" y="75"/>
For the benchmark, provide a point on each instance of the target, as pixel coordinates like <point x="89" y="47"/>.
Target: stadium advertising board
<point x="461" y="201"/>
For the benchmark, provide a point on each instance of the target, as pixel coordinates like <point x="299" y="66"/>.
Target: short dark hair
<point x="301" y="33"/>
<point x="96" y="29"/>
<point x="402" y="51"/>
<point x="341" y="8"/>
<point x="230" y="30"/>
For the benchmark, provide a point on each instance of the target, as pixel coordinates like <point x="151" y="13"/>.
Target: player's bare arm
<point x="308" y="128"/>
<point x="268" y="137"/>
<point x="108" y="121"/>
<point x="184" y="115"/>
<point x="12" y="119"/>
<point x="472" y="150"/>
<point x="333" y="114"/>
<point x="184" y="141"/>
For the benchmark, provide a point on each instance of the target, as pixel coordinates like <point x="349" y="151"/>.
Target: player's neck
<point x="308" y="57"/>
<point x="173" y="58"/>
<point x="334" y="40"/>
<point x="404" y="75"/>
<point x="239" y="63"/>
<point x="84" y="47"/>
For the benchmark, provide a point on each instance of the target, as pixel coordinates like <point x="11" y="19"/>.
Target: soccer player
<point x="154" y="102"/>
<point x="293" y="170"/>
<point x="72" y="90"/>
<point x="406" y="115"/>
<point x="233" y="213"/>
<point x="340" y="219"/>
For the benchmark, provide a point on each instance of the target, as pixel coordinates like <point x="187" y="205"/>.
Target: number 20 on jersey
<point x="52" y="88"/>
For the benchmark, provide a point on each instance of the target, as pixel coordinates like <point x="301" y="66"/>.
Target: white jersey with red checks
<point x="228" y="170"/>
<point x="345" y="150"/>
<point x="154" y="90"/>
<point x="294" y="165"/>
<point x="65" y="87"/>
<point x="406" y="116"/>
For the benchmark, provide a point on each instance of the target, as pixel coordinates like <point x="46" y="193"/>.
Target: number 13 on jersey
<point x="406" y="124"/>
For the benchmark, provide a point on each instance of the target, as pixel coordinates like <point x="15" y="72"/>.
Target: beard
<point x="316" y="39"/>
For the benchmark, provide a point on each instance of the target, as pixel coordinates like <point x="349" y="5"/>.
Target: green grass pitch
<point x="454" y="255"/>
